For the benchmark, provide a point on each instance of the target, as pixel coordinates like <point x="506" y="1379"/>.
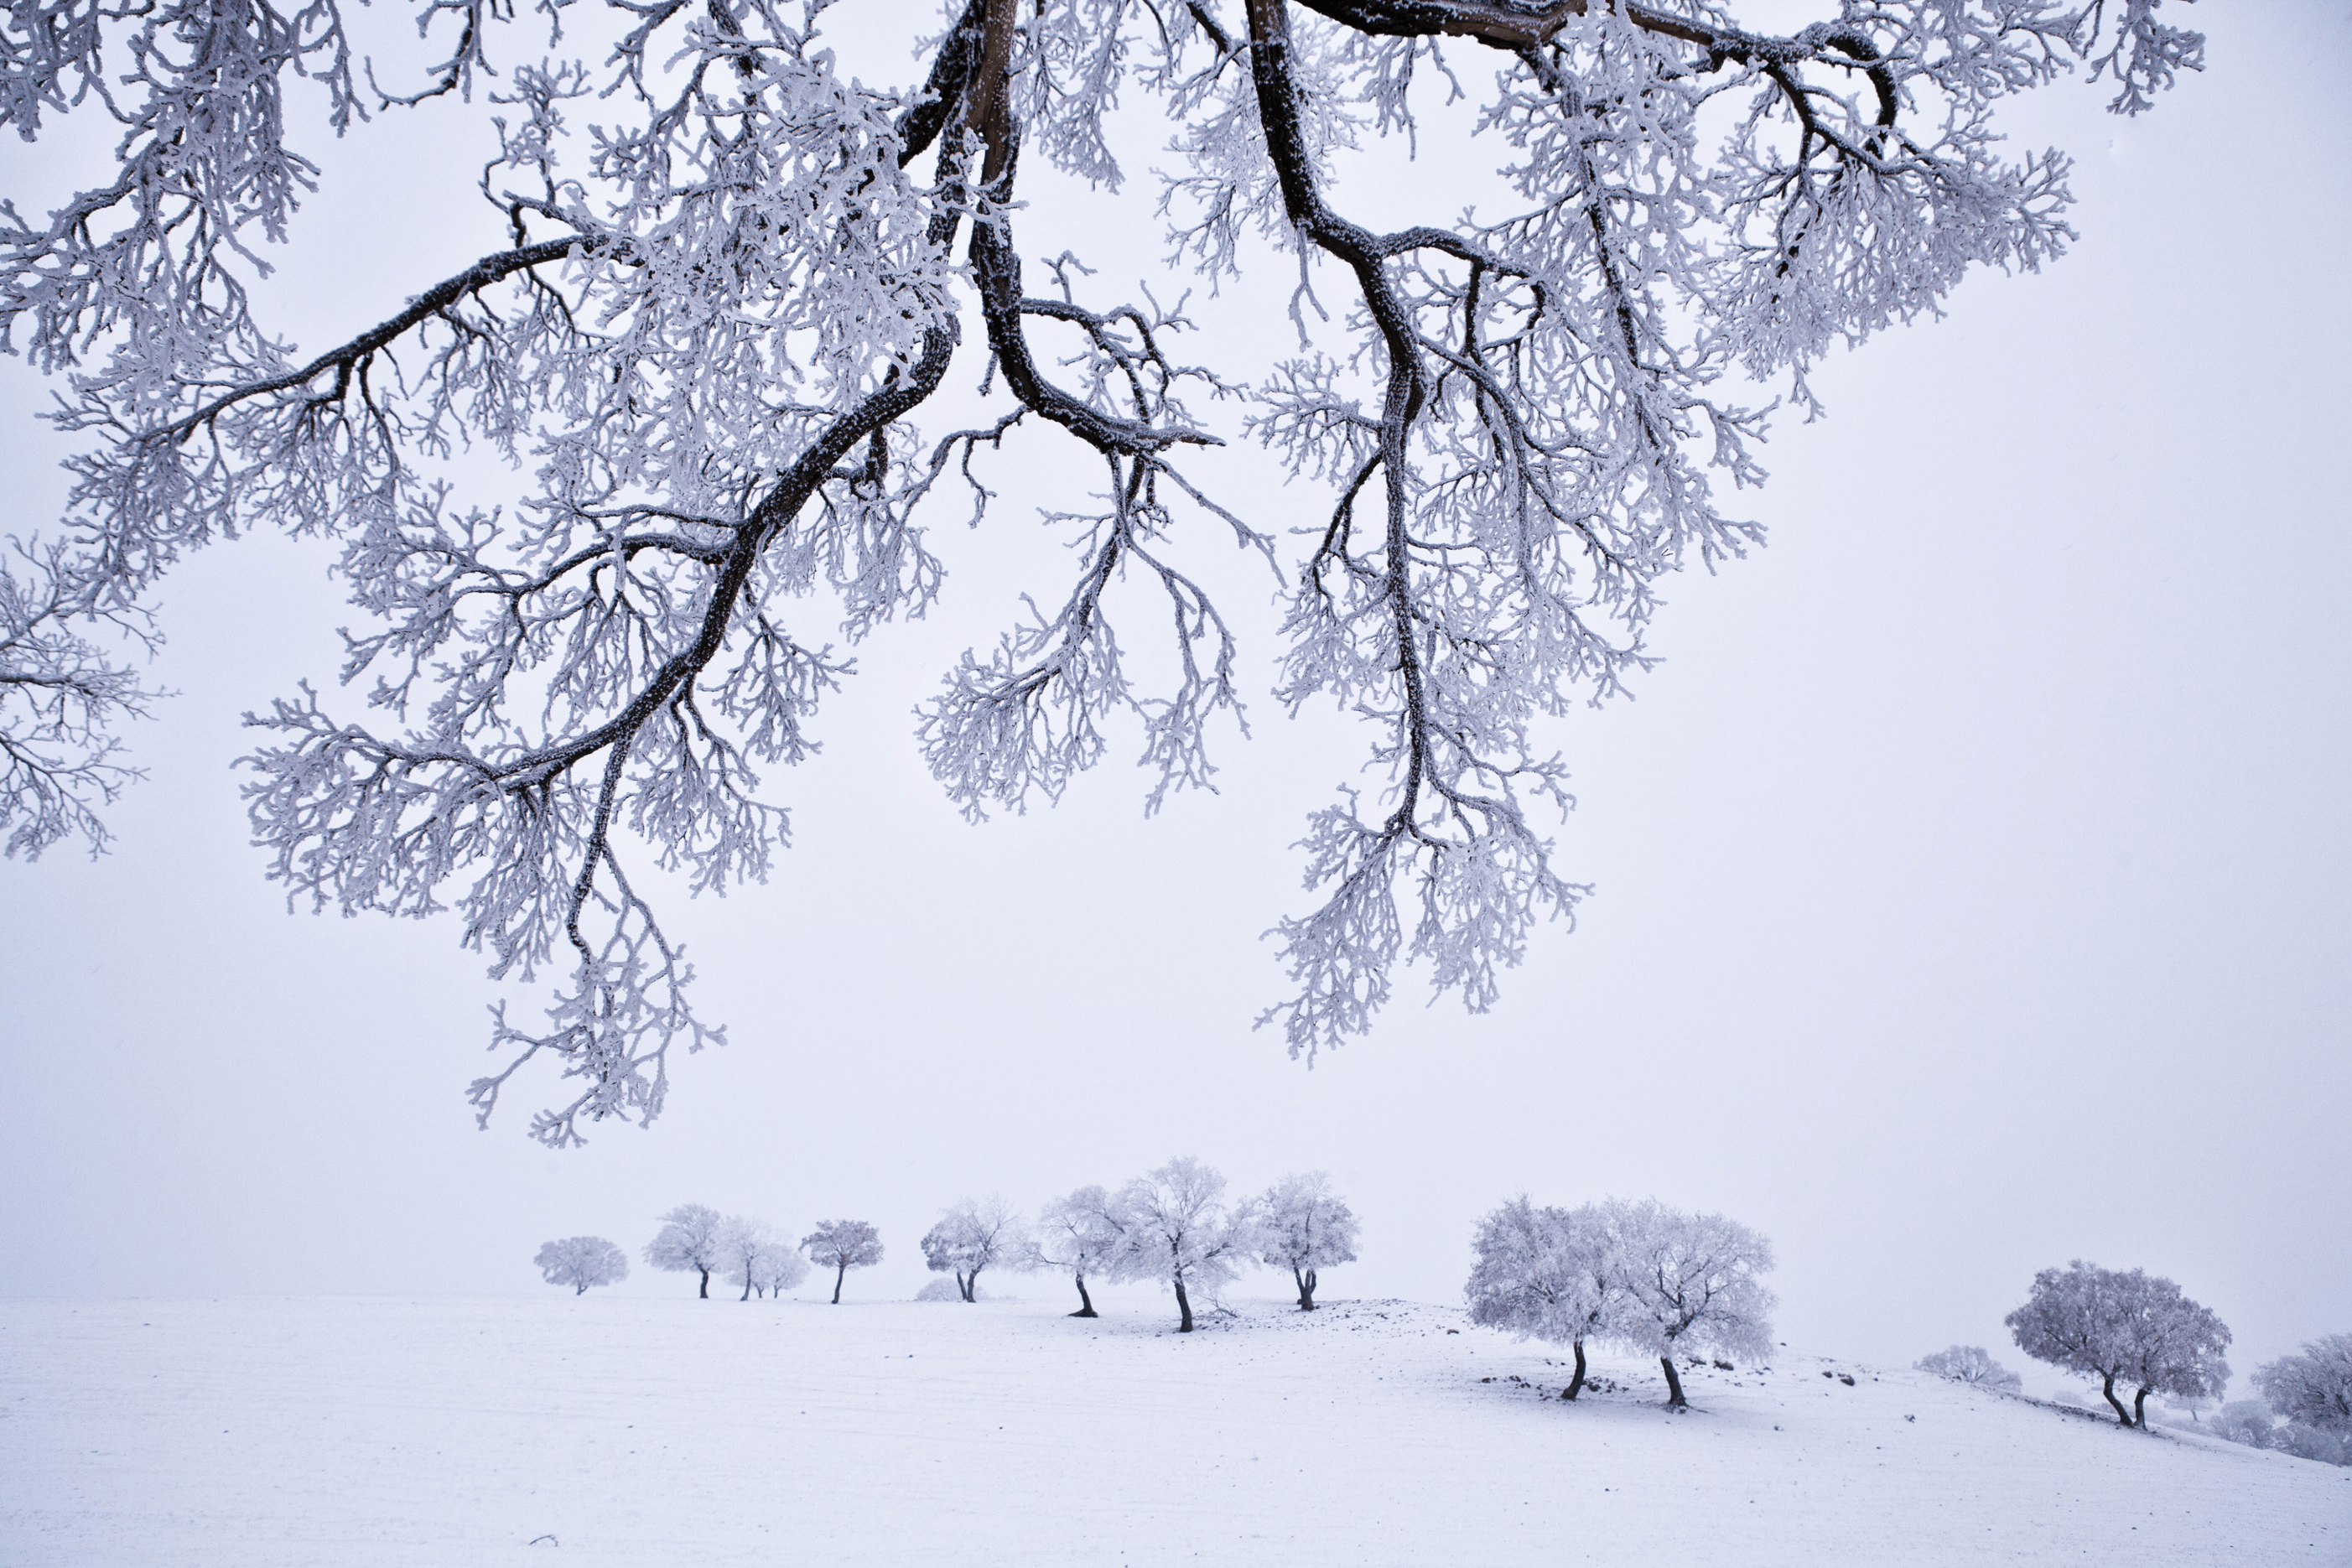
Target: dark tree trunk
<point x="747" y="1287"/>
<point x="1085" y="1302"/>
<point x="1675" y="1399"/>
<point x="967" y="1283"/>
<point x="1306" y="1279"/>
<point x="580" y="1289"/>
<point x="1576" y="1384"/>
<point x="706" y="1285"/>
<point x="2139" y="1410"/>
<point x="2109" y="1387"/>
<point x="1183" y="1308"/>
<point x="839" y="1275"/>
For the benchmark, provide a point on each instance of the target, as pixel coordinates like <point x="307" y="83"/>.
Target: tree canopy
<point x="581" y="1261"/>
<point x="2128" y="1327"/>
<point x="725" y="281"/>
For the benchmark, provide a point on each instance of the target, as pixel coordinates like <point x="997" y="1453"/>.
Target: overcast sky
<point x="1971" y="879"/>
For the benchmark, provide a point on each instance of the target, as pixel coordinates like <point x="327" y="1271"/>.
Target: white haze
<point x="1970" y="880"/>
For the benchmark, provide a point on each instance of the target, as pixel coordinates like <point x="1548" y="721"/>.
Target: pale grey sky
<point x="1971" y="879"/>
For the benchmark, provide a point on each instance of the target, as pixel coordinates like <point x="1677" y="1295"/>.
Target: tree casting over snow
<point x="1178" y="1231"/>
<point x="1550" y="1274"/>
<point x="972" y="1237"/>
<point x="718" y="280"/>
<point x="691" y="1240"/>
<point x="2131" y="1328"/>
<point x="1691" y="1284"/>
<point x="1305" y="1226"/>
<point x="1640" y="1274"/>
<point x="1971" y="1365"/>
<point x="1082" y="1234"/>
<point x="581" y="1261"/>
<point x="748" y="1250"/>
<point x="842" y="1245"/>
<point x="776" y="1266"/>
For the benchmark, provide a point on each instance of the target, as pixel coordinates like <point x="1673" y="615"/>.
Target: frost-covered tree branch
<point x="721" y="280"/>
<point x="59" y="694"/>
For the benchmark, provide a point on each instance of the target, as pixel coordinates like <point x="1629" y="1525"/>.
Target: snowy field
<point x="334" y="1431"/>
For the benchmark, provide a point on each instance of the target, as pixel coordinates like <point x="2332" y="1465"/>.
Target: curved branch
<point x="344" y="358"/>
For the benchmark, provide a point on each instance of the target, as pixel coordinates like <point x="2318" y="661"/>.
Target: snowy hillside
<point x="456" y="1432"/>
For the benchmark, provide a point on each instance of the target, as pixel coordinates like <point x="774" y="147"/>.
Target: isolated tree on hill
<point x="2313" y="1389"/>
<point x="1305" y="1226"/>
<point x="690" y="1242"/>
<point x="2173" y="1345"/>
<point x="1178" y="1231"/>
<point x="1691" y="1283"/>
<point x="581" y="1261"/>
<point x="776" y="1266"/>
<point x="2123" y="1327"/>
<point x="1548" y="1274"/>
<point x="1082" y="1234"/>
<point x="1974" y="1365"/>
<point x="708" y="310"/>
<point x="842" y="1245"/>
<point x="739" y="1240"/>
<point x="972" y="1237"/>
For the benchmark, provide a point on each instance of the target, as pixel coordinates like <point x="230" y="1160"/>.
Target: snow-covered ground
<point x="342" y="1431"/>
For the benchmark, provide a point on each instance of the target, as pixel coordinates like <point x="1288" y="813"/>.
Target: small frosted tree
<point x="581" y="1261"/>
<point x="2313" y="1389"/>
<point x="1548" y="1274"/>
<point x="2246" y="1421"/>
<point x="842" y="1245"/>
<point x="688" y="1243"/>
<point x="740" y="1239"/>
<point x="1305" y="1226"/>
<point x="2131" y="1328"/>
<point x="1691" y="1281"/>
<point x="1974" y="1365"/>
<point x="1178" y="1231"/>
<point x="776" y="1266"/>
<point x="974" y="1236"/>
<point x="1082" y="1234"/>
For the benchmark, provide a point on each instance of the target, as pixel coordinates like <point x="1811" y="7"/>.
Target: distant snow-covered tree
<point x="1305" y="1226"/>
<point x="688" y="1242"/>
<point x="2327" y="1444"/>
<point x="2132" y="1327"/>
<point x="973" y="1236"/>
<point x="2246" y="1421"/>
<point x="1083" y="1234"/>
<point x="775" y="1267"/>
<point x="947" y="1290"/>
<point x="739" y="1240"/>
<point x="1178" y="1231"/>
<point x="581" y="1261"/>
<point x="1551" y="1273"/>
<point x="717" y="275"/>
<point x="2311" y="1394"/>
<point x="2192" y="1405"/>
<point x="1971" y="1365"/>
<point x="1692" y="1282"/>
<point x="842" y="1245"/>
<point x="2314" y="1388"/>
